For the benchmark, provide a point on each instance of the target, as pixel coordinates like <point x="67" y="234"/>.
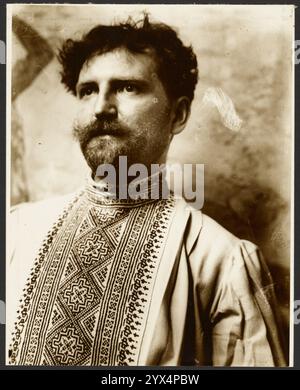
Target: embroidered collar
<point x="149" y="189"/>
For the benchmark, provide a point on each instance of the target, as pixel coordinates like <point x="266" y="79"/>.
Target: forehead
<point x="119" y="64"/>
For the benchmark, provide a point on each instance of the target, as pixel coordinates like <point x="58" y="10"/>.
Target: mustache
<point x="97" y="128"/>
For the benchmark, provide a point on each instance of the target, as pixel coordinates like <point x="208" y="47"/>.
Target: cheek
<point x="150" y="115"/>
<point x="84" y="114"/>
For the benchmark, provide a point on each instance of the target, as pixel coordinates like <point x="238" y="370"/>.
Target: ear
<point x="181" y="113"/>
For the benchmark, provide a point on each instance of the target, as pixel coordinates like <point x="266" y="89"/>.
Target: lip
<point x="105" y="135"/>
<point x="108" y="135"/>
<point x="94" y="139"/>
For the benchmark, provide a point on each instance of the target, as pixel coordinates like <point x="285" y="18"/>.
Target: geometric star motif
<point x="92" y="248"/>
<point x="78" y="294"/>
<point x="67" y="347"/>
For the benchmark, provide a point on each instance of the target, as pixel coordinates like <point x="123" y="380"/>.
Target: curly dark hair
<point x="176" y="63"/>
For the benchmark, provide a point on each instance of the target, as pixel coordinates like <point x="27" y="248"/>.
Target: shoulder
<point x="211" y="235"/>
<point x="29" y="223"/>
<point x="41" y="209"/>
<point x="208" y="237"/>
<point x="214" y="235"/>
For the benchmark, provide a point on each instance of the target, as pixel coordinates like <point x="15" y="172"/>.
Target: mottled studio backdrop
<point x="245" y="50"/>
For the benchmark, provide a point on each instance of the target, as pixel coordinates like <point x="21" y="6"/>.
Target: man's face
<point x="123" y="110"/>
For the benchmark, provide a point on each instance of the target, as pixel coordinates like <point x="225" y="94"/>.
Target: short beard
<point x="107" y="150"/>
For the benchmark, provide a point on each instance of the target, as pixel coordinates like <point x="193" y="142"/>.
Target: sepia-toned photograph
<point x="150" y="185"/>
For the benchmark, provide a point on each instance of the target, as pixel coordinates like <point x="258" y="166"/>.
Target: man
<point x="133" y="280"/>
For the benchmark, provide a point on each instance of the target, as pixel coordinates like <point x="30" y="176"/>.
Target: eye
<point x="86" y="91"/>
<point x="128" y="88"/>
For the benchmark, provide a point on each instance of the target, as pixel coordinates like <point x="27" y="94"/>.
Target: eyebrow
<point x="143" y="83"/>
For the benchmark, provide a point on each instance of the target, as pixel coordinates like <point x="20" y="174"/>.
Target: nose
<point x="105" y="105"/>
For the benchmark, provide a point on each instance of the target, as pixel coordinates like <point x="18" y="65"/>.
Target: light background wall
<point x="246" y="51"/>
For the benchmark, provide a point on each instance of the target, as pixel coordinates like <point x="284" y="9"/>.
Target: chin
<point x="95" y="161"/>
<point x="100" y="157"/>
<point x="104" y="151"/>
